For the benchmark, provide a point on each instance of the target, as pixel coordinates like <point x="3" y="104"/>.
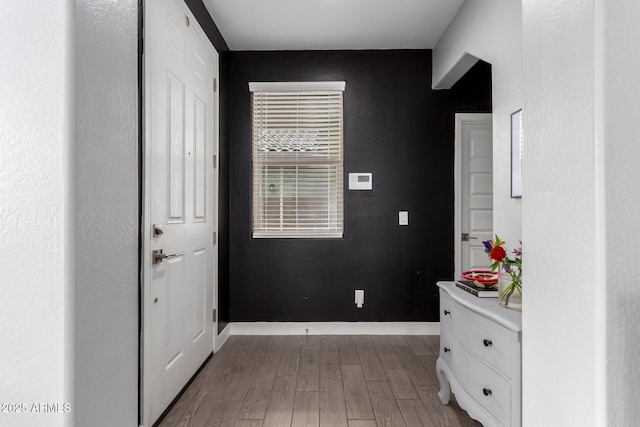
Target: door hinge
<point x="214" y="315"/>
<point x="186" y="20"/>
<point x="215" y="238"/>
<point x="215" y="85"/>
<point x="215" y="161"/>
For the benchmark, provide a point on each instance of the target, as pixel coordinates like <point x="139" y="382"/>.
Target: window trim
<point x="296" y="86"/>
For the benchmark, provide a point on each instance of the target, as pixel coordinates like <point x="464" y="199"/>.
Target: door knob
<point x="157" y="256"/>
<point x="466" y="237"/>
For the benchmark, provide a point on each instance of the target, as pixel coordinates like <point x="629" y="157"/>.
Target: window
<point x="297" y="148"/>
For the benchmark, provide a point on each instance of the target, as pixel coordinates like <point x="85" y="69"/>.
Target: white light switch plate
<point x="359" y="297"/>
<point x="403" y="218"/>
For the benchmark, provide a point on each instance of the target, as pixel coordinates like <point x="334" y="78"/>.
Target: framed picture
<point x="516" y="154"/>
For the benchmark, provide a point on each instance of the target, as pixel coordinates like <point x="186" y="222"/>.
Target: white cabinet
<point x="480" y="357"/>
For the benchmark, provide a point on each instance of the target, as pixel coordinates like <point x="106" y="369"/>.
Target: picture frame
<point x="516" y="154"/>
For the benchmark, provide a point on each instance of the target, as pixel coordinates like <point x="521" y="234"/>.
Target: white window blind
<point x="297" y="154"/>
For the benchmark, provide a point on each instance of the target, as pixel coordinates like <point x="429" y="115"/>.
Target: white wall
<point x="69" y="212"/>
<point x="581" y="212"/>
<point x="490" y="30"/>
<point x="563" y="316"/>
<point x="621" y="75"/>
<point x="106" y="226"/>
<point x="36" y="219"/>
<point x="581" y="207"/>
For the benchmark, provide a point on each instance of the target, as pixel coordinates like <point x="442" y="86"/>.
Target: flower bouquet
<point x="511" y="266"/>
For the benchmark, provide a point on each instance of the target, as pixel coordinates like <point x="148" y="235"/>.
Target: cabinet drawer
<point x="446" y="345"/>
<point x="486" y="339"/>
<point x="484" y="385"/>
<point x="445" y="310"/>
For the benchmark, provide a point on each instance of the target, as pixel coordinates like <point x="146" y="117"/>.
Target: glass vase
<point x="512" y="301"/>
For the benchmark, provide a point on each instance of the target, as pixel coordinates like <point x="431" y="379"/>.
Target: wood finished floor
<point x="350" y="381"/>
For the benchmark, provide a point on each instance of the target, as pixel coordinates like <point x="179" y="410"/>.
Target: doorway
<point x="473" y="177"/>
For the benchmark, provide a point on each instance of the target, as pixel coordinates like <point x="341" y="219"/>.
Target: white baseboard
<point x="333" y="328"/>
<point x="222" y="337"/>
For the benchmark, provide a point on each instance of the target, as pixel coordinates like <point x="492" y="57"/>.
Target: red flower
<point x="497" y="253"/>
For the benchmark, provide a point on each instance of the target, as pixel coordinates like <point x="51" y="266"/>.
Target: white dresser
<point x="480" y="357"/>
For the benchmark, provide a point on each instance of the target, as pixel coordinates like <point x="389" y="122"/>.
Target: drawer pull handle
<point x="447" y="312"/>
<point x="486" y="391"/>
<point x="447" y="350"/>
<point x="487" y="343"/>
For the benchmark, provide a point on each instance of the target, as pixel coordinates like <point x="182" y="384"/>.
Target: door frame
<point x="144" y="258"/>
<point x="460" y="119"/>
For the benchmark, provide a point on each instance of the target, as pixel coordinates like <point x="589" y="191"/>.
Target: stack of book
<point x="473" y="289"/>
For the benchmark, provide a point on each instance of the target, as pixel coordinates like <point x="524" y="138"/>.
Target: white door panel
<point x="474" y="190"/>
<point x="175" y="139"/>
<point x="180" y="190"/>
<point x="481" y="187"/>
<point x="480" y="220"/>
<point x="199" y="294"/>
<point x="199" y="155"/>
<point x="477" y="257"/>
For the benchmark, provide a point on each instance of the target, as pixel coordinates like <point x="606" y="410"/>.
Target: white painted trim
<point x="295" y="86"/>
<point x="222" y="338"/>
<point x="601" y="293"/>
<point x="457" y="198"/>
<point x="216" y="179"/>
<point x="457" y="184"/>
<point x="334" y="328"/>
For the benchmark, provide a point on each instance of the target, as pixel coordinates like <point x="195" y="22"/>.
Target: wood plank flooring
<point x="337" y="381"/>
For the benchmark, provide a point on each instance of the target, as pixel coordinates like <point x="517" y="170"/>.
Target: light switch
<point x="403" y="218"/>
<point x="359" y="298"/>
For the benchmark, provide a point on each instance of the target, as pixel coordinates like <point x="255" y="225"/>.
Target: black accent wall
<point x="395" y="127"/>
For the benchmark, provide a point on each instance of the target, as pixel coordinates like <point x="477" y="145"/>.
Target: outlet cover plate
<point x="403" y="218"/>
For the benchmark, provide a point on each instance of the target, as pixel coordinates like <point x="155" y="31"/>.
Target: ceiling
<point x="331" y="24"/>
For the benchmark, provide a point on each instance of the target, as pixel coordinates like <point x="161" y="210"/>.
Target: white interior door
<point x="474" y="190"/>
<point x="179" y="324"/>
